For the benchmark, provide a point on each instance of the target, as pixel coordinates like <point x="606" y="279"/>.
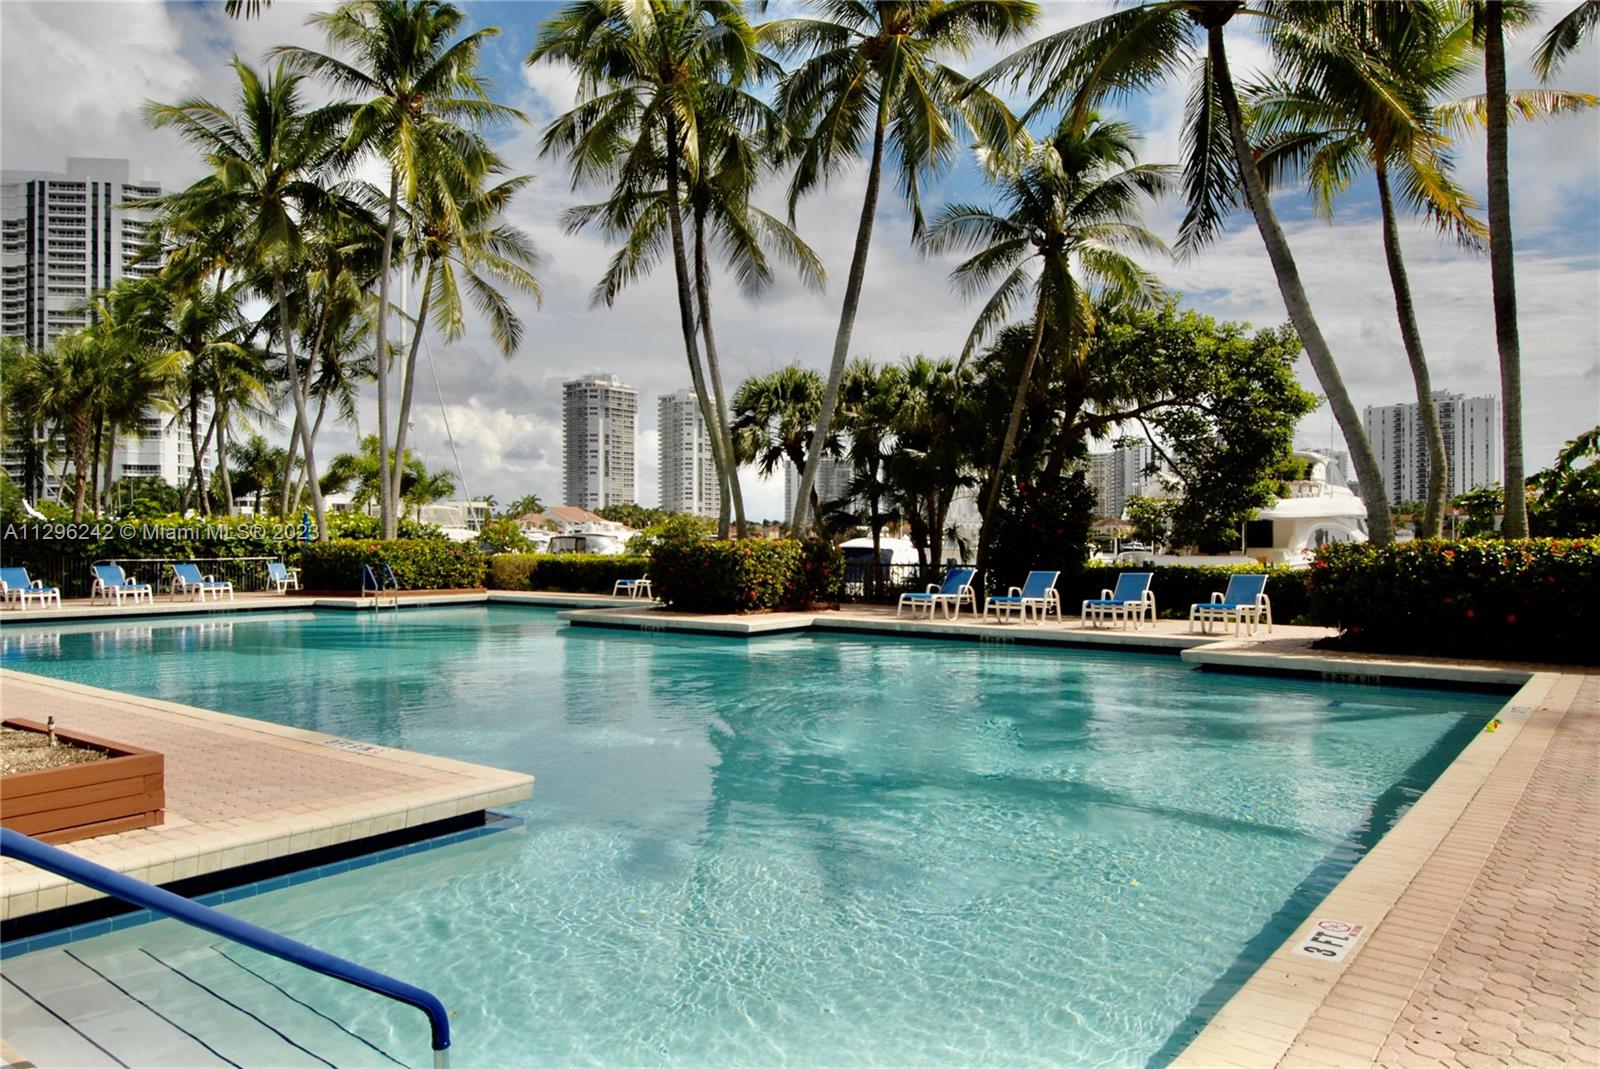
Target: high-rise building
<point x="598" y="431"/>
<point x="1471" y="427"/>
<point x="64" y="237"/>
<point x="1119" y="474"/>
<point x="832" y="482"/>
<point x="688" y="474"/>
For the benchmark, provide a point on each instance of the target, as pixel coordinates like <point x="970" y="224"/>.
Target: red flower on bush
<point x="1470" y="614"/>
<point x="1449" y="554"/>
<point x="1511" y="617"/>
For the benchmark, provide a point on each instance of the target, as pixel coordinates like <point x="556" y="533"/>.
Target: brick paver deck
<point x="1516" y="979"/>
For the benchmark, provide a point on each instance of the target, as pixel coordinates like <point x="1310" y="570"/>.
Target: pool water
<point x="809" y="850"/>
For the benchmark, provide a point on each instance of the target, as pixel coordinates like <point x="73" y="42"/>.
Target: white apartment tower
<point x="598" y="430"/>
<point x="64" y="237"/>
<point x="1118" y="475"/>
<point x="832" y="484"/>
<point x="1471" y="428"/>
<point x="688" y="474"/>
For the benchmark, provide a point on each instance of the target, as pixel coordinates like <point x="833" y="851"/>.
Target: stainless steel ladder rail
<point x="137" y="892"/>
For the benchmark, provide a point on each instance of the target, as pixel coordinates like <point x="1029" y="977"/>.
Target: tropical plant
<point x="869" y="400"/>
<point x="1565" y="37"/>
<point x="460" y="241"/>
<point x="1566" y="495"/>
<point x="665" y="113"/>
<point x="774" y="420"/>
<point x="1070" y="212"/>
<point x="874" y="75"/>
<point x="258" y="465"/>
<point x="1136" y="48"/>
<point x="270" y="176"/>
<point x="935" y="428"/>
<point x="360" y="475"/>
<point x="421" y="93"/>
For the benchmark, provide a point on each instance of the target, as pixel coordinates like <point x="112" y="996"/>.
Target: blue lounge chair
<point x="1245" y="601"/>
<point x="186" y="577"/>
<point x="1131" y="600"/>
<point x="282" y="576"/>
<point x="633" y="588"/>
<point x="14" y="583"/>
<point x="110" y="580"/>
<point x="1038" y="592"/>
<point x="955" y="591"/>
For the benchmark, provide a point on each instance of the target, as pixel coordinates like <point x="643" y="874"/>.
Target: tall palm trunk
<point x="82" y="431"/>
<point x="387" y="523"/>
<point x="409" y="379"/>
<point x="1008" y="444"/>
<point x="284" y="500"/>
<point x="196" y="450"/>
<point x="847" y="318"/>
<point x="110" y="458"/>
<point x="224" y="476"/>
<point x="94" y="463"/>
<point x="1380" y="526"/>
<point x="1411" y="337"/>
<point x="286" y="325"/>
<point x="1502" y="273"/>
<point x="723" y="429"/>
<point x="316" y="429"/>
<point x="680" y="266"/>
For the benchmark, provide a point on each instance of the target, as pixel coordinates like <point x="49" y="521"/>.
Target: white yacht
<point x="1319" y="509"/>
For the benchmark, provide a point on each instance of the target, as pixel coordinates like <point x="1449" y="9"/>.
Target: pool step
<point x="194" y="1006"/>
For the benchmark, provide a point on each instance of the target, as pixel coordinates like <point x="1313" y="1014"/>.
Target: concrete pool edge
<point x="403" y="790"/>
<point x="1286" y="1012"/>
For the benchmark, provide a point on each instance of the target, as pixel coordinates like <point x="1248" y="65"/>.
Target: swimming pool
<point x="808" y="849"/>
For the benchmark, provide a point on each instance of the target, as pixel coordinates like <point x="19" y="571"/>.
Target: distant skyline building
<point x="1119" y="474"/>
<point x="599" y="431"/>
<point x="64" y="237"/>
<point x="688" y="475"/>
<point x="833" y="482"/>
<point x="1471" y="427"/>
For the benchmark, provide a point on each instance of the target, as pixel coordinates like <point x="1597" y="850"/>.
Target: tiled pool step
<point x="206" y="1005"/>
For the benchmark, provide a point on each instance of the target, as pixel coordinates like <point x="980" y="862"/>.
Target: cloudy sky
<point x="73" y="77"/>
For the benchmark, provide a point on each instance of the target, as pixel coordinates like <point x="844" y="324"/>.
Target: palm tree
<point x="419" y="83"/>
<point x="258" y="464"/>
<point x="1565" y="38"/>
<point x="1071" y="207"/>
<point x="869" y="400"/>
<point x="774" y="421"/>
<point x="646" y="71"/>
<point x="1338" y="123"/>
<point x="461" y="241"/>
<point x="269" y="170"/>
<point x="932" y="451"/>
<point x="1145" y="45"/>
<point x="874" y="75"/>
<point x="72" y="381"/>
<point x="749" y="239"/>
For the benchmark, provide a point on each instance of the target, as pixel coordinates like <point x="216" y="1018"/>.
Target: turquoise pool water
<point x="807" y="850"/>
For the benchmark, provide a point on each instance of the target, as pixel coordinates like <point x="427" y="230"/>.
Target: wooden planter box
<point x="58" y="805"/>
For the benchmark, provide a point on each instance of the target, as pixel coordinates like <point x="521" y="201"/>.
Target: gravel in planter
<point x="30" y="751"/>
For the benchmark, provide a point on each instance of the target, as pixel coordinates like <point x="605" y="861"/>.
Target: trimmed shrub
<point x="419" y="564"/>
<point x="1534" y="599"/>
<point x="820" y="578"/>
<point x="1178" y="586"/>
<point x="578" y="573"/>
<point x="743" y="575"/>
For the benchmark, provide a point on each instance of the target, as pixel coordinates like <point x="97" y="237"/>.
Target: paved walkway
<point x="1516" y="979"/>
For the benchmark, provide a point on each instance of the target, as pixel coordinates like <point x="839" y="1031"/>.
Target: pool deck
<point x="1479" y="943"/>
<point x="240" y="791"/>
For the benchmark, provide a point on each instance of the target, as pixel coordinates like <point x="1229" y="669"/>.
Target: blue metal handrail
<point x="117" y="885"/>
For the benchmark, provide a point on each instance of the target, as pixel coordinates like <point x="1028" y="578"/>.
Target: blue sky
<point x="61" y="98"/>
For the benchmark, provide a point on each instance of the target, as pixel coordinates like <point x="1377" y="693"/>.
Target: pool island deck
<point x="240" y="792"/>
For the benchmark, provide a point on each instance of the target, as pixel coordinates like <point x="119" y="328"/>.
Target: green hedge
<point x="1534" y="599"/>
<point x="580" y="573"/>
<point x="419" y="564"/>
<point x="745" y="575"/>
<point x="1177" y="587"/>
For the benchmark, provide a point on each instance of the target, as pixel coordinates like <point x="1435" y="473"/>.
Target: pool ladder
<point x="380" y="588"/>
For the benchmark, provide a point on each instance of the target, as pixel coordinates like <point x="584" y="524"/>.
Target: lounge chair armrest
<point x="1014" y="591"/>
<point x="933" y="588"/>
<point x="38" y="584"/>
<point x="1216" y="596"/>
<point x="1105" y="595"/>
